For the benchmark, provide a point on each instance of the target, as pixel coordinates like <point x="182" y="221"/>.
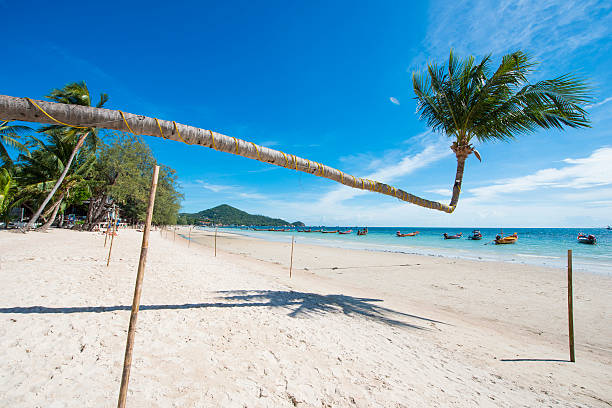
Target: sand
<point x="350" y="328"/>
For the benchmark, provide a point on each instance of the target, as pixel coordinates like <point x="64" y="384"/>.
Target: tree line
<point x="59" y="168"/>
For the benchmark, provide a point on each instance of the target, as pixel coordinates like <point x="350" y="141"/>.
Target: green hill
<point x="228" y="215"/>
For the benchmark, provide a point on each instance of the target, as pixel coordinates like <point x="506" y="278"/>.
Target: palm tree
<point x="8" y="195"/>
<point x="470" y="102"/>
<point x="496" y="109"/>
<point x="9" y="137"/>
<point x="73" y="94"/>
<point x="53" y="158"/>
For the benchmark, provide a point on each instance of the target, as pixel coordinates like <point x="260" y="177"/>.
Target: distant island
<point x="228" y="215"/>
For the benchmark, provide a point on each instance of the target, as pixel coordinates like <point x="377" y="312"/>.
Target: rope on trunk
<point x="321" y="170"/>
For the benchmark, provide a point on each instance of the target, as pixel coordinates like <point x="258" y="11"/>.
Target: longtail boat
<point x="510" y="239"/>
<point x="587" y="239"/>
<point x="410" y="234"/>
<point x="329" y="232"/>
<point x="362" y="232"/>
<point x="308" y="230"/>
<point x="476" y="235"/>
<point x="345" y="232"/>
<point x="456" y="236"/>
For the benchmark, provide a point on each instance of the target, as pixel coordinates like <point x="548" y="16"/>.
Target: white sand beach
<point x="350" y="328"/>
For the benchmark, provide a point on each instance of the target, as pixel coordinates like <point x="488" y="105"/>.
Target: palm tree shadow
<point x="541" y="360"/>
<point x="301" y="304"/>
<point x="308" y="304"/>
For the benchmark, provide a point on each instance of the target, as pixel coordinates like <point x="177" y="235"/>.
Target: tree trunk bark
<point x="23" y="109"/>
<point x="462" y="151"/>
<point x="57" y="184"/>
<point x="458" y="181"/>
<point x="56" y="208"/>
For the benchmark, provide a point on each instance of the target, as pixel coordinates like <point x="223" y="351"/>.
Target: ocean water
<point x="536" y="246"/>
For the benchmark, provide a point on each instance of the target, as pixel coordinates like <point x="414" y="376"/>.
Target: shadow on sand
<point x="544" y="360"/>
<point x="300" y="304"/>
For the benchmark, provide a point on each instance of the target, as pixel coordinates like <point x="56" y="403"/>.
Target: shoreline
<point x="350" y="328"/>
<point x="440" y="277"/>
<point x="579" y="265"/>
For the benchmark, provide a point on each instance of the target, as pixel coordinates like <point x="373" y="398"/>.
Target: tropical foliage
<point x="10" y="137"/>
<point x="472" y="102"/>
<point x="81" y="169"/>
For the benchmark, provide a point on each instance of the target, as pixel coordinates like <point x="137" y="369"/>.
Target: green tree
<point x="9" y="197"/>
<point x="10" y="136"/>
<point x="469" y="101"/>
<point x="53" y="158"/>
<point x="122" y="176"/>
<point x="75" y="93"/>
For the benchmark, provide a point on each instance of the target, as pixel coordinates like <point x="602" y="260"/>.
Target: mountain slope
<point x="226" y="214"/>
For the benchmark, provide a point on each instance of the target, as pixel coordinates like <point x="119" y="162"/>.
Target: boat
<point x="609" y="227"/>
<point x="410" y="234"/>
<point x="329" y="232"/>
<point x="587" y="239"/>
<point x="456" y="236"/>
<point x="363" y="231"/>
<point x="308" y="230"/>
<point x="345" y="232"/>
<point x="317" y="231"/>
<point x="509" y="239"/>
<point x="476" y="235"/>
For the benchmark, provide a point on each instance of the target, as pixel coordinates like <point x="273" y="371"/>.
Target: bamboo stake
<point x="570" y="306"/>
<point x="127" y="362"/>
<point x="215" y="241"/>
<point x="291" y="263"/>
<point x="189" y="241"/>
<point x="110" y="249"/>
<point x="107" y="228"/>
<point x="174" y="233"/>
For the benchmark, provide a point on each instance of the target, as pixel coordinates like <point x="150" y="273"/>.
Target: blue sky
<point x="331" y="81"/>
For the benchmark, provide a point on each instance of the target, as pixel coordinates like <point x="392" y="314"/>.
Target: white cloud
<point x="595" y="105"/>
<point x="213" y="187"/>
<point x="229" y="190"/>
<point x="550" y="28"/>
<point x="584" y="173"/>
<point x="394" y="100"/>
<point x="444" y="192"/>
<point x="253" y="196"/>
<point x="269" y="143"/>
<point x="387" y="173"/>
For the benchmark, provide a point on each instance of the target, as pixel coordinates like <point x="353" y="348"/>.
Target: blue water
<point x="536" y="246"/>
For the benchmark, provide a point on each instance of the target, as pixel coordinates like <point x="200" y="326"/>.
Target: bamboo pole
<point x="174" y="234"/>
<point x="107" y="228"/>
<point x="215" y="241"/>
<point x="291" y="262"/>
<point x="127" y="362"/>
<point x="189" y="241"/>
<point x="110" y="248"/>
<point x="570" y="306"/>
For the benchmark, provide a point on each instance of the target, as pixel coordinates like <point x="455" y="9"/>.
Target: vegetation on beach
<point x="471" y="102"/>
<point x="60" y="167"/>
<point x="228" y="215"/>
<point x="70" y="165"/>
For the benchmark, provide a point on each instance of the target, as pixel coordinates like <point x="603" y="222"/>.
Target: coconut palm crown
<point x="10" y="137"/>
<point x="469" y="101"/>
<point x="76" y="93"/>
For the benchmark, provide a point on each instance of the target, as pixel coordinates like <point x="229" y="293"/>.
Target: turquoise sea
<point x="536" y="246"/>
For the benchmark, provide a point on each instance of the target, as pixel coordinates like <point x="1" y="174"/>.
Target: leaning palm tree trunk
<point x="57" y="184"/>
<point x="25" y="109"/>
<point x="56" y="206"/>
